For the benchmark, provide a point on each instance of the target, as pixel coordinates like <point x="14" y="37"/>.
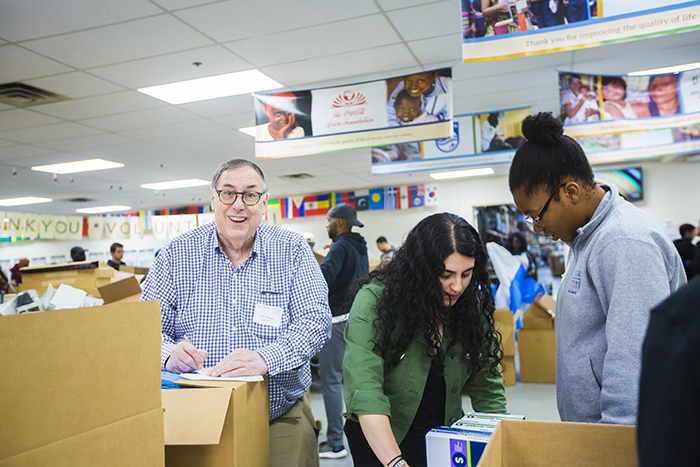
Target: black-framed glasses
<point x="536" y="221"/>
<point x="249" y="198"/>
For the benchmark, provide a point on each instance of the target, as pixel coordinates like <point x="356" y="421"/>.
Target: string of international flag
<point x="387" y="198"/>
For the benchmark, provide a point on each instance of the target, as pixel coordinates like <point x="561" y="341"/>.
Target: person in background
<point x="117" y="252"/>
<point x="420" y="331"/>
<point x="686" y="249"/>
<point x="621" y="264"/>
<point x="669" y="406"/>
<point x="239" y="297"/>
<point x="386" y="249"/>
<point x="77" y="254"/>
<point x="543" y="13"/>
<point x="499" y="17"/>
<point x="16" y="278"/>
<point x="310" y="239"/>
<point x="4" y="282"/>
<point x="345" y="263"/>
<point x="572" y="100"/>
<point x="517" y="246"/>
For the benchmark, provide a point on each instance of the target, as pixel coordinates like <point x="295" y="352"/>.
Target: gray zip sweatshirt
<point x="620" y="266"/>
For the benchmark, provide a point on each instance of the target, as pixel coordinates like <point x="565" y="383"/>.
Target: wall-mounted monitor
<point x="628" y="181"/>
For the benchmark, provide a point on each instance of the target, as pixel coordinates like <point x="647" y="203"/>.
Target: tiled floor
<point x="534" y="401"/>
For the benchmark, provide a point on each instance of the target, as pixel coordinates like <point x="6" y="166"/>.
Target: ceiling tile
<point x="176" y="130"/>
<point x="438" y="49"/>
<point x="49" y="17"/>
<point x="173" y="67"/>
<point x="141" y="119"/>
<point x="222" y="106"/>
<point x="48" y="133"/>
<point x="86" y="144"/>
<point x="239" y="120"/>
<point x="120" y="42"/>
<point x="426" y="21"/>
<point x="23" y="118"/>
<point x="128" y="101"/>
<point x="395" y="4"/>
<point x="262" y="16"/>
<point x="301" y="44"/>
<point x="342" y="65"/>
<point x="74" y="85"/>
<point x="177" y="4"/>
<point x="20" y="64"/>
<point x="23" y="155"/>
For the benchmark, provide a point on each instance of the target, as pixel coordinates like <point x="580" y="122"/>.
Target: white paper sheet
<point x="200" y="376"/>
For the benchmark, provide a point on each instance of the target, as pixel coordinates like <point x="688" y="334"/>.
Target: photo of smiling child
<point x="409" y="110"/>
<point x="433" y="88"/>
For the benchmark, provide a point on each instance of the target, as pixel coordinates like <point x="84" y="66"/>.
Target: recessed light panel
<point x="212" y="87"/>
<point x="190" y="182"/>
<point x="462" y="173"/>
<point x="78" y="166"/>
<point x="23" y="200"/>
<point x="103" y="209"/>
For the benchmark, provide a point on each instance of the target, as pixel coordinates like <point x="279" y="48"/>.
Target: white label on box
<point x="267" y="315"/>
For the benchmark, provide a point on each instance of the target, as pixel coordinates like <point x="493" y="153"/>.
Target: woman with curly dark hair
<point x="420" y="330"/>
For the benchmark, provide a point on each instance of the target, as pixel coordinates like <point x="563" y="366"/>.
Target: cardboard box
<point x="83" y="275"/>
<point x="537" y="342"/>
<point x="550" y="444"/>
<point x="505" y="324"/>
<point x="134" y="269"/>
<point x="556" y="264"/>
<point x="224" y="424"/>
<point x="125" y="290"/>
<point x="80" y="387"/>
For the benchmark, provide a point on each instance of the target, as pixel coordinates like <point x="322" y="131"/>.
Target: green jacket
<point x="371" y="386"/>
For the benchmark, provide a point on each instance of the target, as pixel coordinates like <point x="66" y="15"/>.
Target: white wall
<point x="671" y="197"/>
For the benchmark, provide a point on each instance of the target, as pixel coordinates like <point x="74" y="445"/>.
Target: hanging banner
<point x="96" y="225"/>
<point x="518" y="28"/>
<point x="478" y="140"/>
<point x="136" y="228"/>
<point x="14" y="224"/>
<point x="47" y="227"/>
<point x="414" y="107"/>
<point x="632" y="117"/>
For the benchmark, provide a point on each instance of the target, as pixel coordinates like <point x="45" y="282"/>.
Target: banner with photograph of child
<point x="502" y="29"/>
<point x="623" y="117"/>
<point x="415" y="107"/>
<point x="478" y="140"/>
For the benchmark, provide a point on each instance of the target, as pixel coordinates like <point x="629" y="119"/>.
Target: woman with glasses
<point x="420" y="331"/>
<point x="620" y="265"/>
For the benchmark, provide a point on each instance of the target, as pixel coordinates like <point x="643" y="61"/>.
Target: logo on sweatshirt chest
<point x="575" y="283"/>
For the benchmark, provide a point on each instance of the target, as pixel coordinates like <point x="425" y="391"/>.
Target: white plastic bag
<point x="506" y="267"/>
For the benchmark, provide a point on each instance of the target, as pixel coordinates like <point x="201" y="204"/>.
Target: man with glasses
<point x="239" y="298"/>
<point x="620" y="266"/>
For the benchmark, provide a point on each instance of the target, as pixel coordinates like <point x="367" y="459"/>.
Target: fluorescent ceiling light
<point x="23" y="200"/>
<point x="668" y="69"/>
<point x="78" y="166"/>
<point x="462" y="173"/>
<point x="212" y="87"/>
<point x="249" y="130"/>
<point x="190" y="182"/>
<point x="101" y="209"/>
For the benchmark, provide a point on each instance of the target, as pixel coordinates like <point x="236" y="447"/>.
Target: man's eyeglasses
<point x="249" y="198"/>
<point x="536" y="221"/>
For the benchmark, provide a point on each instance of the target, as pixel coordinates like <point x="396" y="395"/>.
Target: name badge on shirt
<point x="268" y="315"/>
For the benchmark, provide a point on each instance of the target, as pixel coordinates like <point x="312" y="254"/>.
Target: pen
<point x="186" y="338"/>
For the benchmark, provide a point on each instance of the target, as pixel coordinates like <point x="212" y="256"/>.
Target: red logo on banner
<point x="348" y="99"/>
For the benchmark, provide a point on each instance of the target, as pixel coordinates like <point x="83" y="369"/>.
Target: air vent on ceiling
<point x="79" y="200"/>
<point x="296" y="176"/>
<point x="23" y="95"/>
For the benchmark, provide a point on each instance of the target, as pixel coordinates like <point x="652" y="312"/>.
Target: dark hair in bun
<point x="548" y="157"/>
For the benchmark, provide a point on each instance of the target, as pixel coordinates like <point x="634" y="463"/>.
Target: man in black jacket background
<point x="345" y="263"/>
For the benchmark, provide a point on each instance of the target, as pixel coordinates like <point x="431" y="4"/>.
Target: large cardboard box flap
<point x="120" y="290"/>
<point x="195" y="417"/>
<point x="521" y="443"/>
<point x="538" y="356"/>
<point x="127" y="442"/>
<point x="67" y="372"/>
<point x="244" y="435"/>
<point x="505" y="324"/>
<point x="541" y="313"/>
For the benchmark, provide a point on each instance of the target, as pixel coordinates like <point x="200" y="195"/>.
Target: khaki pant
<point x="293" y="441"/>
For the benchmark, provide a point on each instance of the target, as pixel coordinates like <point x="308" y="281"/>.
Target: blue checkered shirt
<point x="202" y="295"/>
